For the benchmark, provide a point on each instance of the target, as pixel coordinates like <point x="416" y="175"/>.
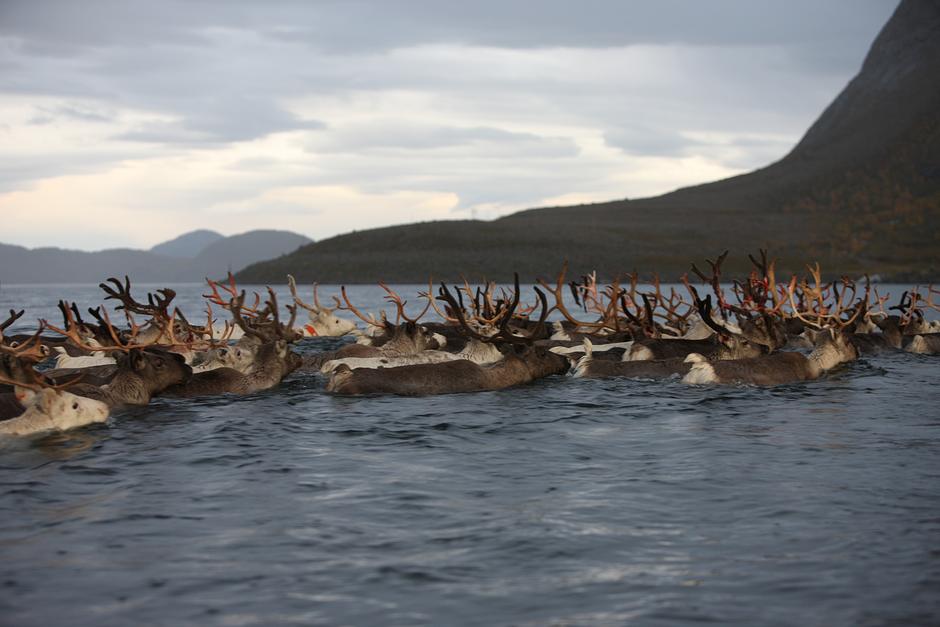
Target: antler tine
<point x="316" y="296"/>
<point x="232" y="290"/>
<point x="215" y="296"/>
<point x="558" y="293"/>
<point x="71" y="332"/>
<point x="715" y="280"/>
<point x="881" y="300"/>
<point x="352" y="308"/>
<point x="420" y="315"/>
<point x="288" y="332"/>
<point x="929" y="301"/>
<point x="122" y="293"/>
<point x="14" y="316"/>
<point x="285" y="332"/>
<point x="272" y="306"/>
<point x="395" y="299"/>
<point x="292" y="284"/>
<point x="160" y="302"/>
<point x="820" y="315"/>
<point x="64" y="308"/>
<point x="817" y="291"/>
<point x="843" y="301"/>
<point x="31" y="350"/>
<point x="113" y="332"/>
<point x="433" y="304"/>
<point x="235" y="307"/>
<point x="445" y="295"/>
<point x="34" y="385"/>
<point x="791" y="289"/>
<point x="507" y="312"/>
<point x="704" y="308"/>
<point x="512" y="338"/>
<point x="574" y="294"/>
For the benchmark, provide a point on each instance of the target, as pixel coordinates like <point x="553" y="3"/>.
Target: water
<point x="567" y="502"/>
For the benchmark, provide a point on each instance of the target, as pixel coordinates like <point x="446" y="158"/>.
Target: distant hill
<point x="860" y="192"/>
<point x="187" y="245"/>
<point x="235" y="252"/>
<point x="55" y="265"/>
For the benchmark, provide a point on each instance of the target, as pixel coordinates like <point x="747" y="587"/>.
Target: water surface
<point x="567" y="502"/>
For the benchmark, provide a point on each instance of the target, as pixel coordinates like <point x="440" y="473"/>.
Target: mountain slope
<point x="238" y="251"/>
<point x="860" y="192"/>
<point x="187" y="245"/>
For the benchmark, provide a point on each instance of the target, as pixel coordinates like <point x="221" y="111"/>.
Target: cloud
<point x="163" y="116"/>
<point x="230" y="120"/>
<point x="396" y="134"/>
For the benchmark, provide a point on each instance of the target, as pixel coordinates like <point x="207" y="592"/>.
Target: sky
<point x="124" y="123"/>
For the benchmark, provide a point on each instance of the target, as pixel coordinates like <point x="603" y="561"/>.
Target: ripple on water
<point x="571" y="501"/>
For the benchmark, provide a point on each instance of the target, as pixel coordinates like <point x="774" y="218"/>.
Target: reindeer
<point x="833" y="347"/>
<point x="272" y="362"/>
<point x="399" y="340"/>
<point x="323" y="322"/>
<point x="36" y="405"/>
<point x="589" y="367"/>
<point x="524" y="364"/>
<point x="723" y="345"/>
<point x="51" y="409"/>
<point x="143" y="368"/>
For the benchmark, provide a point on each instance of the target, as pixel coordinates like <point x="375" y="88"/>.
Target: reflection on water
<point x="565" y="502"/>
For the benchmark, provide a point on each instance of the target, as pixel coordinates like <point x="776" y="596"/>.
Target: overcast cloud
<point x="126" y="123"/>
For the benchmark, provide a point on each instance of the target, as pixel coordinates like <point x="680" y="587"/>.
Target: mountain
<point x="859" y="193"/>
<point x="236" y="252"/>
<point x="55" y="265"/>
<point x="187" y="245"/>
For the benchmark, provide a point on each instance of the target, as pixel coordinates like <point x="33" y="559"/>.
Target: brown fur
<point x="273" y="362"/>
<point x="449" y="377"/>
<point x="141" y="375"/>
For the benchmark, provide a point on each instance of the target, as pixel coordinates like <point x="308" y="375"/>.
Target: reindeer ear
<point x="138" y="361"/>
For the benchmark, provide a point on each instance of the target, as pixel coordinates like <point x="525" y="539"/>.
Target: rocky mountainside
<point x="859" y="193"/>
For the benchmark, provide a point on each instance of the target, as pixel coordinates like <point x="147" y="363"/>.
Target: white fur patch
<point x="638" y="353"/>
<point x="559" y="334"/>
<point x="597" y="348"/>
<point x="52" y="410"/>
<point x="918" y="345"/>
<point x="64" y="360"/>
<point x="702" y="372"/>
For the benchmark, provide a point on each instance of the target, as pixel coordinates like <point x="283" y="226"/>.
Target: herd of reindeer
<point x="752" y="331"/>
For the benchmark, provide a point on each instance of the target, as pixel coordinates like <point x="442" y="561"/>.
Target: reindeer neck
<point x="129" y="388"/>
<point x="823" y="358"/>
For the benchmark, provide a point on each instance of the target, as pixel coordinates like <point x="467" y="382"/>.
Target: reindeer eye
<point x="75" y="405"/>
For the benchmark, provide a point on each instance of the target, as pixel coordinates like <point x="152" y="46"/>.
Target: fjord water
<point x="567" y="502"/>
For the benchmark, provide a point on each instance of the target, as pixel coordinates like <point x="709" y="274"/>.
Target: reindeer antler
<point x="393" y="297"/>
